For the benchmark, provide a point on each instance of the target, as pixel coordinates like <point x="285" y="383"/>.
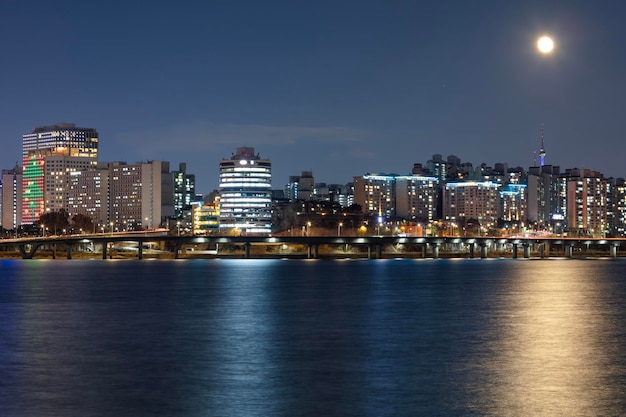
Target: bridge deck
<point x="314" y="246"/>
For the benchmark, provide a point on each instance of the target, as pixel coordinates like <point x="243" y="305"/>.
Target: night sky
<point x="341" y="88"/>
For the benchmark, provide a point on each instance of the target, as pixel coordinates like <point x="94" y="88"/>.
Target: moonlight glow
<point x="545" y="45"/>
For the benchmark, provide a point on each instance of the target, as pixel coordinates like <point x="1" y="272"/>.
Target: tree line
<point x="59" y="221"/>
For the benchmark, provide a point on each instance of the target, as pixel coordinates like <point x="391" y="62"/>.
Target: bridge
<point x="372" y="247"/>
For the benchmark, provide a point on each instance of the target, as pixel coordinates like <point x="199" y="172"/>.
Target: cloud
<point x="203" y="136"/>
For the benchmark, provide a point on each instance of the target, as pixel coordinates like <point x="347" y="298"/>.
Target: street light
<point x="178" y="227"/>
<point x="339" y="228"/>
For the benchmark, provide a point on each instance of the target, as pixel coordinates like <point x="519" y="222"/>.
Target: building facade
<point x="395" y="197"/>
<point x="184" y="186"/>
<point x="49" y="154"/>
<point x="376" y="194"/>
<point x="513" y="208"/>
<point x="118" y="196"/>
<point x="11" y="198"/>
<point x="546" y="195"/>
<point x="206" y="218"/>
<point x="245" y="185"/>
<point x="471" y="201"/>
<point x="89" y="195"/>
<point x="417" y="198"/>
<point x="587" y="203"/>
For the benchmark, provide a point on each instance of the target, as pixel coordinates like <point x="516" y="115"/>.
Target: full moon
<point x="545" y="45"/>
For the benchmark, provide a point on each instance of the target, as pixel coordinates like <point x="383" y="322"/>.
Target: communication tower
<point x="542" y="150"/>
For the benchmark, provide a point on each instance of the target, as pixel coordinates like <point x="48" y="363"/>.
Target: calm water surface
<point x="313" y="338"/>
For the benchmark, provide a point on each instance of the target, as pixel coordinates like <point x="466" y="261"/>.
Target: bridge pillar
<point x="483" y="250"/>
<point x="369" y="251"/>
<point x="514" y="255"/>
<point x="435" y="250"/>
<point x="247" y="248"/>
<point x="140" y="250"/>
<point x="379" y="251"/>
<point x="471" y="250"/>
<point x="569" y="251"/>
<point x="54" y="251"/>
<point x="526" y="250"/>
<point x="104" y="249"/>
<point x="69" y="251"/>
<point x="424" y="251"/>
<point x="176" y="249"/>
<point x="613" y="249"/>
<point x="542" y="250"/>
<point x="28" y="250"/>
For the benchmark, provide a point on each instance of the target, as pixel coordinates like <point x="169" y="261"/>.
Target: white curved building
<point x="245" y="194"/>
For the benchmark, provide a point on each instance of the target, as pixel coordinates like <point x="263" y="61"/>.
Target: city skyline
<point x="337" y="89"/>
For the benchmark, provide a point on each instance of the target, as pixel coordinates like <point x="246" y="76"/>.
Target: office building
<point x="206" y="218"/>
<point x="300" y="187"/>
<point x="184" y="186"/>
<point x="245" y="185"/>
<point x="49" y="154"/>
<point x="89" y="195"/>
<point x="118" y="196"/>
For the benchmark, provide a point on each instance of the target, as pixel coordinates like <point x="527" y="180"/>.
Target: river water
<point x="467" y="337"/>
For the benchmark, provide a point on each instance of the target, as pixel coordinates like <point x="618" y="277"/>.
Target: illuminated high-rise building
<point x="587" y="204"/>
<point x="206" y="217"/>
<point x="417" y="197"/>
<point x="120" y="196"/>
<point x="471" y="200"/>
<point x="513" y="205"/>
<point x="89" y="195"/>
<point x="11" y="198"/>
<point x="546" y="195"/>
<point x="619" y="208"/>
<point x="409" y="197"/>
<point x="376" y="194"/>
<point x="184" y="185"/>
<point x="245" y="193"/>
<point x="49" y="154"/>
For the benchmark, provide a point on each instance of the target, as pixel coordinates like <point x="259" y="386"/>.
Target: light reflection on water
<point x="554" y="344"/>
<point x="287" y="337"/>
